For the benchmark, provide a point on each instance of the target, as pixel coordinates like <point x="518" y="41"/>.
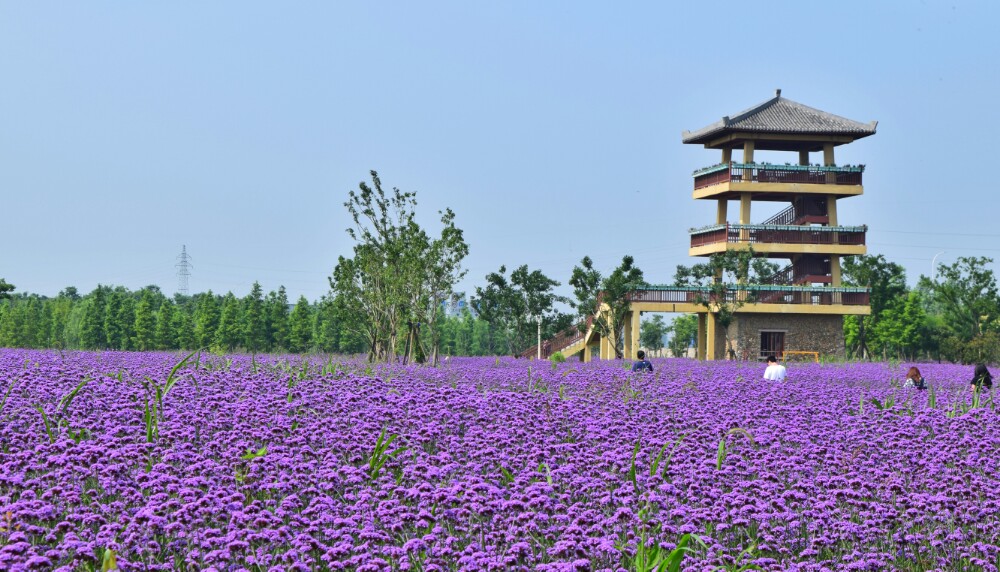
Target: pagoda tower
<point x="800" y="308"/>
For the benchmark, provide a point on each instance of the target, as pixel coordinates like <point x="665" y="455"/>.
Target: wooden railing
<point x="779" y="234"/>
<point x="767" y="173"/>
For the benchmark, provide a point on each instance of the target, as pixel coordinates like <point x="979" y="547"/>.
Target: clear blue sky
<point x="551" y="129"/>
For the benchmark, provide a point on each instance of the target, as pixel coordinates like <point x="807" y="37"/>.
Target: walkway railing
<point x="767" y="173"/>
<point x="757" y="294"/>
<point x="781" y="234"/>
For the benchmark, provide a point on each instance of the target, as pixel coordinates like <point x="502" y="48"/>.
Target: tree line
<point x="116" y="318"/>
<point x="390" y="298"/>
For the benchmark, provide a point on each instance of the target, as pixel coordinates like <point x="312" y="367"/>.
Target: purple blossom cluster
<point x="284" y="463"/>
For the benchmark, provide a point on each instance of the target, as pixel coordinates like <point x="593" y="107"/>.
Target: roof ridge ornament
<point x="777" y="92"/>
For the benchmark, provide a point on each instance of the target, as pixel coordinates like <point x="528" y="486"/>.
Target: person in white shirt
<point x="774" y="371"/>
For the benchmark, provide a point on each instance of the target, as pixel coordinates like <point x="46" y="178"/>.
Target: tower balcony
<point x="756" y="299"/>
<point x="779" y="240"/>
<point x="776" y="182"/>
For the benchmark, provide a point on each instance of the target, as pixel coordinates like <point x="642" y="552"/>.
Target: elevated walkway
<point x="760" y="299"/>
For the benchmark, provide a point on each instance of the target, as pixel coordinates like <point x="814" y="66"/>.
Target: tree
<point x="145" y="323"/>
<point x="206" y="319"/>
<point x="5" y="289"/>
<point x="166" y="338"/>
<point x="276" y="307"/>
<point x="183" y="327"/>
<point x="683" y="329"/>
<point x="513" y="306"/>
<point x="398" y="274"/>
<point x="300" y="337"/>
<point x="900" y="328"/>
<point x="229" y="334"/>
<point x="967" y="295"/>
<point x="718" y="284"/>
<point x="606" y="299"/>
<point x="652" y="332"/>
<point x="887" y="281"/>
<point x="440" y="263"/>
<point x="254" y="334"/>
<point x="92" y="334"/>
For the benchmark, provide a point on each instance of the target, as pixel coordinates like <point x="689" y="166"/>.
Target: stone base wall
<point x="803" y="332"/>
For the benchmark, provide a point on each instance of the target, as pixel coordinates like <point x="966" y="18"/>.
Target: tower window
<point x="772" y="344"/>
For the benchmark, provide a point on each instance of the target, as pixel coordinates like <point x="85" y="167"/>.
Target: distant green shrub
<point x="557" y="358"/>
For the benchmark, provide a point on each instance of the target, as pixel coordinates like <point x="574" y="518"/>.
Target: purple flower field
<point x="279" y="463"/>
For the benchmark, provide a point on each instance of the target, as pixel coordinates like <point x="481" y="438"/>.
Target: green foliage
<point x="682" y="330"/>
<point x="887" y="281"/>
<point x="398" y="275"/>
<point x="557" y="358"/>
<point x="967" y="295"/>
<point x="652" y="332"/>
<point x="253" y="323"/>
<point x="609" y="295"/>
<point x="381" y="454"/>
<point x="512" y="306"/>
<point x="717" y="281"/>
<point x="145" y="323"/>
<point x="5" y="289"/>
<point x="301" y="328"/>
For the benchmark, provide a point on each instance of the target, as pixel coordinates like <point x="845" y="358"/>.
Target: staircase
<point x="566" y="342"/>
<point x="802" y="211"/>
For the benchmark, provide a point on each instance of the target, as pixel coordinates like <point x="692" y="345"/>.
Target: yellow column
<point x="710" y="336"/>
<point x="636" y="329"/>
<point x="744" y="208"/>
<point x="831" y="178"/>
<point x="702" y="339"/>
<point x="803" y="157"/>
<point x="587" y="353"/>
<point x="727" y="155"/>
<point x="747" y="158"/>
<point x="831" y="209"/>
<point x="604" y="347"/>
<point x="721" y="211"/>
<point x="835" y="280"/>
<point x="628" y="350"/>
<point x="828" y="154"/>
<point x="744" y="215"/>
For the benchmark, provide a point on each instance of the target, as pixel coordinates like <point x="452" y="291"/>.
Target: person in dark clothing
<point x="642" y="364"/>
<point x="981" y="379"/>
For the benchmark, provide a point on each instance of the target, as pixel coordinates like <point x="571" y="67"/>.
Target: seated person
<point x="774" y="371"/>
<point x="914" y="379"/>
<point x="642" y="364"/>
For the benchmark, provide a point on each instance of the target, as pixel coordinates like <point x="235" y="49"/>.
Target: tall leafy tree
<point x="605" y="300"/>
<point x="967" y="294"/>
<point x="513" y="305"/>
<point x="652" y="332"/>
<point x="682" y="330"/>
<point x="887" y="281"/>
<point x="397" y="269"/>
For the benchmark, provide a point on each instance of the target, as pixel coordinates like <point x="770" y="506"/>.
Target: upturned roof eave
<point x="729" y="125"/>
